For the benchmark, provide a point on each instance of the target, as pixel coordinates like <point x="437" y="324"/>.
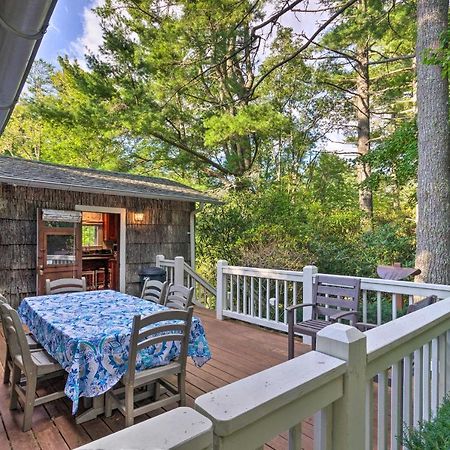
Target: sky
<point x="73" y="28"/>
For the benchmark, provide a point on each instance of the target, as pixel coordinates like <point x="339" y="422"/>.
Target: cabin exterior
<point x="58" y="221"/>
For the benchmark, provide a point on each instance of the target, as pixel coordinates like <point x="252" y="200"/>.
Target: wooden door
<point x="59" y="246"/>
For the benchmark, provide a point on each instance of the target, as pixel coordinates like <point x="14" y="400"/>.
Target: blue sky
<point x="72" y="28"/>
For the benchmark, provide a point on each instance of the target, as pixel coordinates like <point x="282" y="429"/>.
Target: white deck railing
<point x="179" y="272"/>
<point x="260" y="296"/>
<point x="410" y="358"/>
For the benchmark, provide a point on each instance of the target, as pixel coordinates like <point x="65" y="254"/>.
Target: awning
<point x="23" y="23"/>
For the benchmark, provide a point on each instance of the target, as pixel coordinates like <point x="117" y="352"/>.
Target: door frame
<point x="122" y="236"/>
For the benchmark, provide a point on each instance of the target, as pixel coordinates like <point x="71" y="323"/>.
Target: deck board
<point x="238" y="350"/>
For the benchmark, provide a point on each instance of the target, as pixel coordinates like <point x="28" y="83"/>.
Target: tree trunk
<point x="433" y="185"/>
<point x="363" y="118"/>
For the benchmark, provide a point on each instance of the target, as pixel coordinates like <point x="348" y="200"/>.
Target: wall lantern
<point x="138" y="217"/>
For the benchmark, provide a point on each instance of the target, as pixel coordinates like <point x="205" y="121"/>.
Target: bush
<point x="433" y="435"/>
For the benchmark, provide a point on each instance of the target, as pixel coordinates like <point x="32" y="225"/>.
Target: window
<point x="92" y="235"/>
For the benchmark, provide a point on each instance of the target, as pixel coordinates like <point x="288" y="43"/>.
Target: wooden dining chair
<point x="32" y="343"/>
<point x="153" y="330"/>
<point x="34" y="365"/>
<point x="333" y="298"/>
<point x="179" y="297"/>
<point x="155" y="291"/>
<point x="65" y="285"/>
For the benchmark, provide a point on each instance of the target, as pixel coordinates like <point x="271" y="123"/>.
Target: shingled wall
<point x="164" y="230"/>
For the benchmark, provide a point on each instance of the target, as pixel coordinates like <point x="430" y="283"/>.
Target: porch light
<point x="138" y="216"/>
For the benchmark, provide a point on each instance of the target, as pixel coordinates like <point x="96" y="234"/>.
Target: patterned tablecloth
<point x="88" y="333"/>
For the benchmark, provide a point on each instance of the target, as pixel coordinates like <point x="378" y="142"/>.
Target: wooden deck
<point x="238" y="350"/>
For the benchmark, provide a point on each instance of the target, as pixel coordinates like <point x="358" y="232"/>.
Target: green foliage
<point x="432" y="435"/>
<point x="310" y="220"/>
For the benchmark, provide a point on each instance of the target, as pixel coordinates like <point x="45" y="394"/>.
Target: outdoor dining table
<point x="88" y="333"/>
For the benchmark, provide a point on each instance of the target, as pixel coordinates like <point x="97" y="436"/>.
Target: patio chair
<point x="427" y="301"/>
<point x="147" y="331"/>
<point x="34" y="365"/>
<point x="333" y="298"/>
<point x="32" y="343"/>
<point x="179" y="297"/>
<point x="65" y="285"/>
<point x="154" y="291"/>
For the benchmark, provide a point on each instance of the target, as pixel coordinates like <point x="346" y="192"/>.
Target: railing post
<point x="348" y="412"/>
<point x="220" y="289"/>
<point x="178" y="277"/>
<point x="308" y="279"/>
<point x="158" y="260"/>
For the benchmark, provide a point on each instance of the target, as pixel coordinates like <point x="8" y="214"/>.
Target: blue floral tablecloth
<point x="88" y="333"/>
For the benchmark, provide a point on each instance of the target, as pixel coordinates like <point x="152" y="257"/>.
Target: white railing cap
<point x="181" y="429"/>
<point x="404" y="331"/>
<point x="243" y="402"/>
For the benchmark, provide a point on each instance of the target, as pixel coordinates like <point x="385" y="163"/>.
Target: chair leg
<point x="30" y="397"/>
<point x="108" y="404"/>
<point x="7" y="372"/>
<point x="290" y="320"/>
<point x="15" y="379"/>
<point x="157" y="391"/>
<point x="129" y="405"/>
<point x="182" y="388"/>
<point x="313" y="342"/>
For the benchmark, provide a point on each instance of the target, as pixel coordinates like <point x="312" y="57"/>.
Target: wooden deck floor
<point x="238" y="350"/>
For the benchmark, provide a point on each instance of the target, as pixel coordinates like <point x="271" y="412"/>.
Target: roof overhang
<point x="14" y="181"/>
<point x="23" y="23"/>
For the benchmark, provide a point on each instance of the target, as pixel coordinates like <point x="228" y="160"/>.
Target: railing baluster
<point x="268" y="299"/>
<point x="379" y="309"/>
<point x="382" y="410"/>
<point x="426" y="382"/>
<point x="277" y="297"/>
<point x="396" y="404"/>
<point x="442" y="350"/>
<point x="369" y="415"/>
<point x="434" y="376"/>
<point x="394" y="306"/>
<point x="238" y="294"/>
<point x="410" y="299"/>
<point x="231" y="292"/>
<point x="417" y="408"/>
<point x="260" y="298"/>
<point x="244" y="296"/>
<point x="295" y="438"/>
<point x="364" y="299"/>
<point x="285" y="301"/>
<point x="407" y="391"/>
<point x="252" y="297"/>
<point x="447" y="357"/>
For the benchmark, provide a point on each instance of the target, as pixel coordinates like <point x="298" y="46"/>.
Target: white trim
<point x="123" y="236"/>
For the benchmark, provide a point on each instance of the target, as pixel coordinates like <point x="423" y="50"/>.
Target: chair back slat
<point x="174" y="337"/>
<point x="331" y="294"/>
<point x="173" y="332"/>
<point x="161" y="329"/>
<point x="179" y="297"/>
<point x="15" y="337"/>
<point x="65" y="286"/>
<point x="154" y="291"/>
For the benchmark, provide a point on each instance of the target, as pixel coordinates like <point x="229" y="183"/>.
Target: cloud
<point x="91" y="39"/>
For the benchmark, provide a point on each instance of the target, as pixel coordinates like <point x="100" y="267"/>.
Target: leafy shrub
<point x="432" y="435"/>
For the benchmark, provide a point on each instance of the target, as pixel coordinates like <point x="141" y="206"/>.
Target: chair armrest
<point x="300" y="305"/>
<point x="364" y="326"/>
<point x="341" y="315"/>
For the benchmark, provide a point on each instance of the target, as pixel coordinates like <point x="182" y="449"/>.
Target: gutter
<point x="23" y="24"/>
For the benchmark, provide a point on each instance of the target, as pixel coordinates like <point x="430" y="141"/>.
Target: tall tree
<point x="433" y="184"/>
